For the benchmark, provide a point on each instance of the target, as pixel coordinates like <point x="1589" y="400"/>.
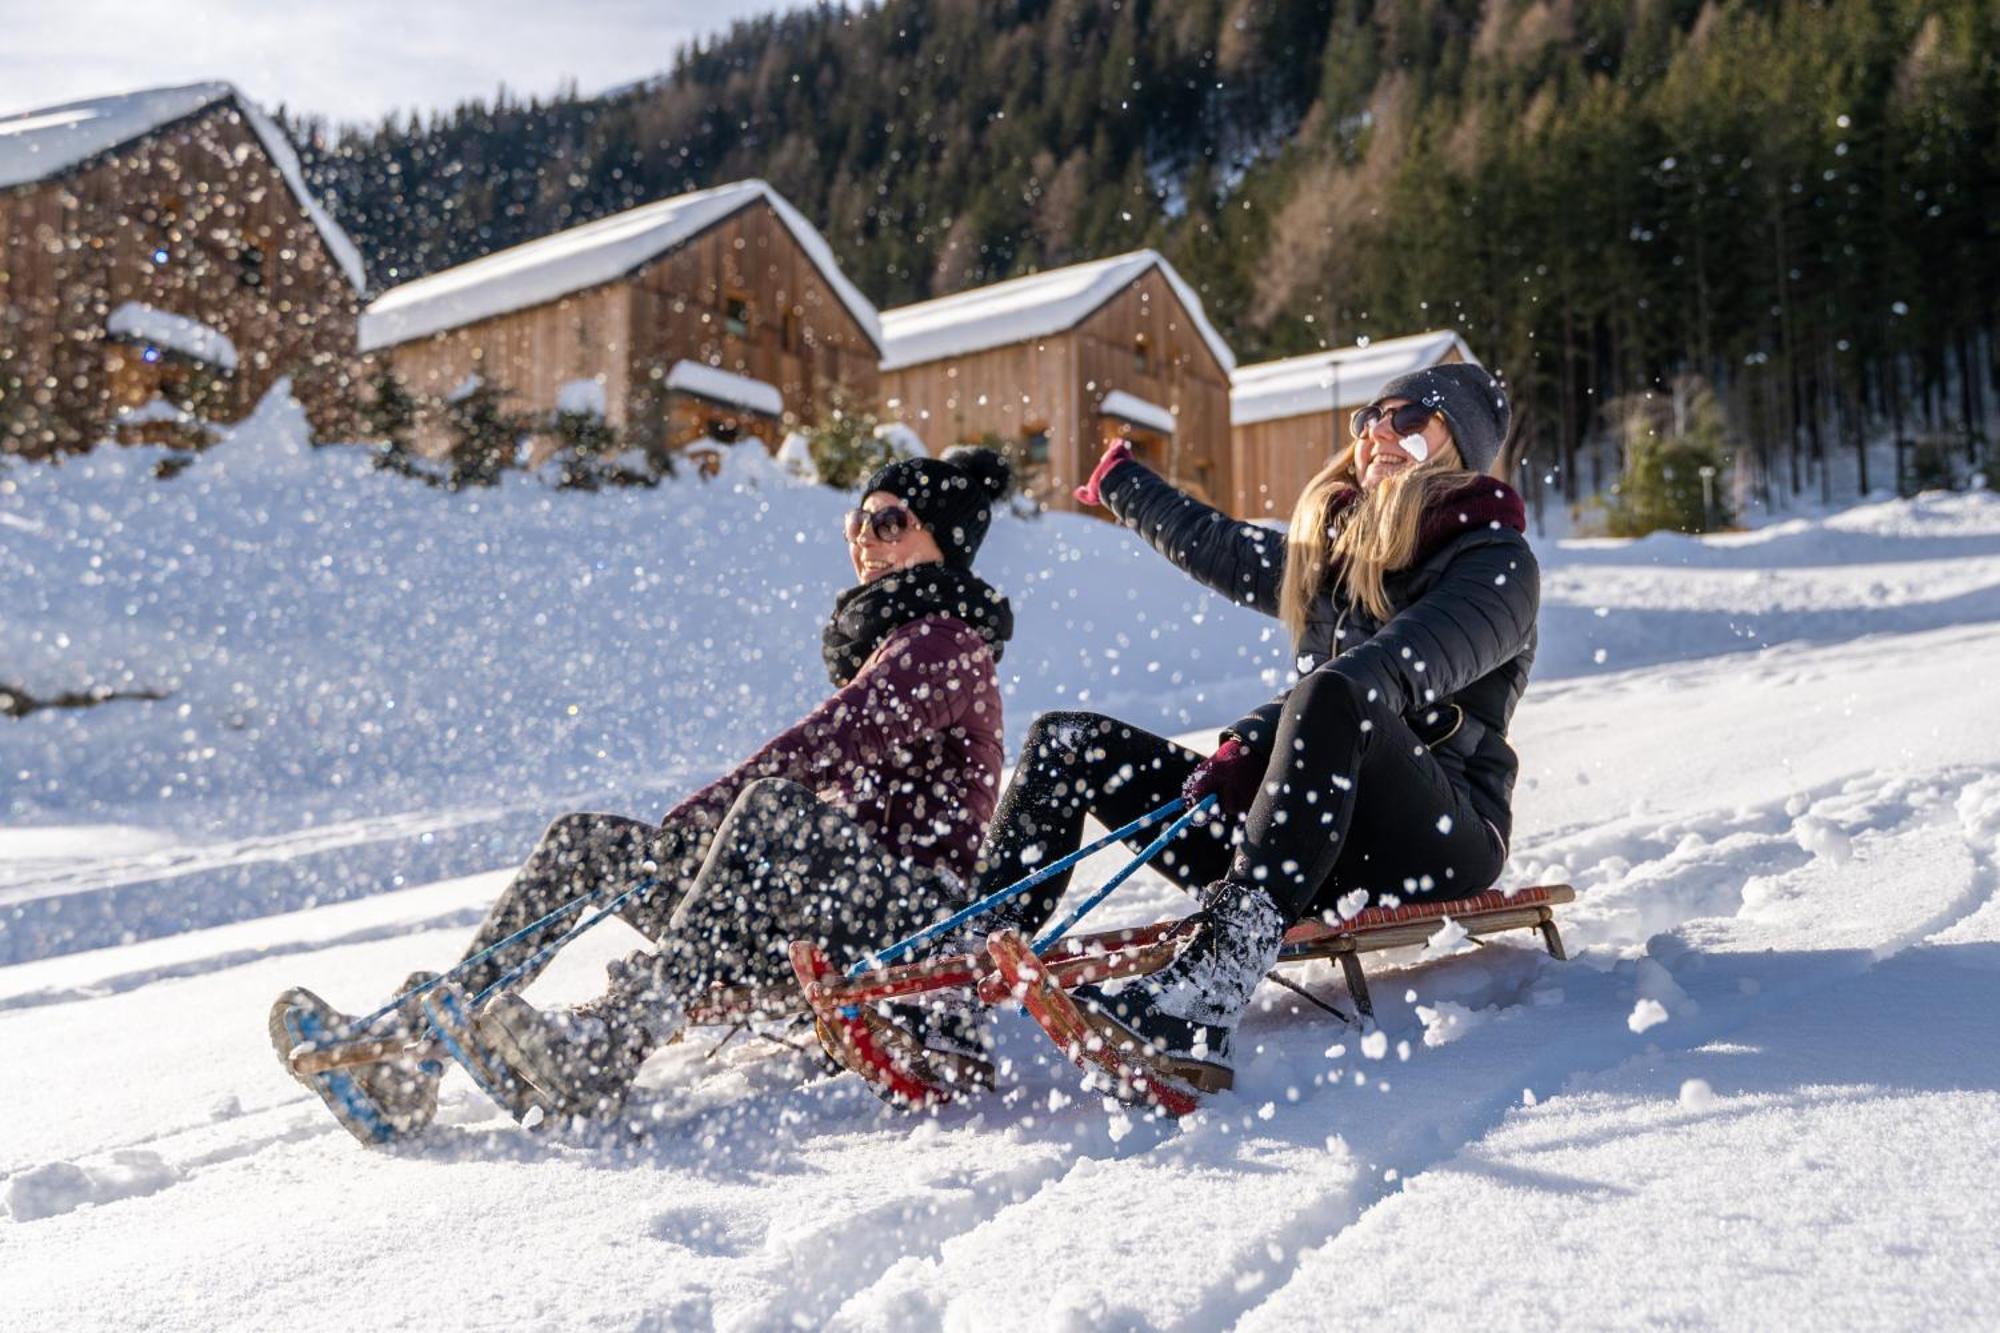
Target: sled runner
<point x="1094" y="1044"/>
<point x="905" y="1071"/>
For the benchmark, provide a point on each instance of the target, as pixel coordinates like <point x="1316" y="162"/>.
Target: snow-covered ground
<point x="1762" y="1093"/>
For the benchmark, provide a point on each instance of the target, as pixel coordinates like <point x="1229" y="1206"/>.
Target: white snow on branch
<point x="157" y="409"/>
<point x="904" y="439"/>
<point x="1037" y="306"/>
<point x="724" y="386"/>
<point x="1132" y="408"/>
<point x="583" y="397"/>
<point x="606" y="250"/>
<point x="175" y="333"/>
<point x="1325" y="381"/>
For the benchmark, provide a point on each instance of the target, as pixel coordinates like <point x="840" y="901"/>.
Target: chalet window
<point x="250" y="266"/>
<point x="1142" y="355"/>
<point x="1036" y="443"/>
<point x="736" y="316"/>
<point x="725" y="429"/>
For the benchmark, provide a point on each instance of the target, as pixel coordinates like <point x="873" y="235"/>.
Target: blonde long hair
<point x="1377" y="534"/>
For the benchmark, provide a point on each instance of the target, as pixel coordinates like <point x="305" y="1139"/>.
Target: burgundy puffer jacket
<point x="910" y="748"/>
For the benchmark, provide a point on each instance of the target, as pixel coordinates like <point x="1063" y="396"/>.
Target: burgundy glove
<point x="1231" y="775"/>
<point x="1119" y="452"/>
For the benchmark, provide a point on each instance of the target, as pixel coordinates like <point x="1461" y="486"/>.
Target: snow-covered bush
<point x="1670" y="440"/>
<point x="1932" y="464"/>
<point x="845" y="448"/>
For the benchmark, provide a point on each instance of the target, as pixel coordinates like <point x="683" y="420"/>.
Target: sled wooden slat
<point x="1380" y="928"/>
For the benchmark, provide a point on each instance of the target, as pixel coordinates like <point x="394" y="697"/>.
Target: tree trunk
<point x="1895" y="375"/>
<point x="1965" y="392"/>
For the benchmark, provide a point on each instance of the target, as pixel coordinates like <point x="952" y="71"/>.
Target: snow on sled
<point x="1096" y="1044"/>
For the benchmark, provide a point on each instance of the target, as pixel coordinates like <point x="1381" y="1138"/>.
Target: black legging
<point x="782" y="865"/>
<point x="1358" y="802"/>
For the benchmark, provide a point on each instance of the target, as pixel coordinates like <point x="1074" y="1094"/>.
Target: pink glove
<point x="1232" y="775"/>
<point x="1119" y="452"/>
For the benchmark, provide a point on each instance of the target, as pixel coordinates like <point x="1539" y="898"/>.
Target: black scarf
<point x="865" y="615"/>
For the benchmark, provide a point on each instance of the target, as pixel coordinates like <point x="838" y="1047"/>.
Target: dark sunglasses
<point x="888" y="525"/>
<point x="1405" y="420"/>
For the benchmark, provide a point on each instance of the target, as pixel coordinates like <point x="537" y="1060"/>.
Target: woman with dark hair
<point x="1383" y="775"/>
<point x="858" y="824"/>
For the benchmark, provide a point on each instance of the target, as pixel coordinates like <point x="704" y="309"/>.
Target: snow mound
<point x="64" y="1187"/>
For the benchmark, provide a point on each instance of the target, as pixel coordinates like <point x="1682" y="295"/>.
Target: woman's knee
<point x="570" y="827"/>
<point x="1327" y="698"/>
<point x="767" y="794"/>
<point x="1068" y="732"/>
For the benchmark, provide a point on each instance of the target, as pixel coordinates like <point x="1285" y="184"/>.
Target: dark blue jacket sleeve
<point x="1242" y="561"/>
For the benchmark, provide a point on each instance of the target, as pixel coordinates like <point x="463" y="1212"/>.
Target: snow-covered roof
<point x="1322" y="381"/>
<point x="724" y="386"/>
<point x="40" y="144"/>
<point x="176" y="333"/>
<point x="1037" y="306"/>
<point x="544" y="270"/>
<point x="1130" y="407"/>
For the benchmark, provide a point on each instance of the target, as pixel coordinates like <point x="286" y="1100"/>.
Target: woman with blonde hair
<point x="1384" y="775"/>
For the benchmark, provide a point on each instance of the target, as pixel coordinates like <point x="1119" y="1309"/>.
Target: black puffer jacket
<point x="1453" y="659"/>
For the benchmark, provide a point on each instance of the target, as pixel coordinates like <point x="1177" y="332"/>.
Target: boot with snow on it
<point x="580" y="1063"/>
<point x="912" y="1055"/>
<point x="1163" y="1037"/>
<point x="383" y="1100"/>
<point x="456" y="1022"/>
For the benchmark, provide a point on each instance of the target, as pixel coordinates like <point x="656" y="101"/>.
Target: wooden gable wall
<point x="235" y="251"/>
<point x="796" y="332"/>
<point x="1179" y="373"/>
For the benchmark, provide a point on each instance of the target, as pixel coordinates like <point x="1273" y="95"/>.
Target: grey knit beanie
<point x="1472" y="401"/>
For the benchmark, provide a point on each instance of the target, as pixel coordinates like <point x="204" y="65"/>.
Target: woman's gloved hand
<point x="1231" y="775"/>
<point x="1118" y="452"/>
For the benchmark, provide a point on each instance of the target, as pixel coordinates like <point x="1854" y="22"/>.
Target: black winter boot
<point x="1187" y="1010"/>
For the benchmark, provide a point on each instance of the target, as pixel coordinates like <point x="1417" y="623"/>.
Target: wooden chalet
<point x="1058" y="364"/>
<point x="716" y="314"/>
<point x="1288" y="418"/>
<point x="162" y="263"/>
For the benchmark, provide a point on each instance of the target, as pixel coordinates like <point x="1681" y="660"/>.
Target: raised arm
<point x="916" y="683"/>
<point x="1478" y="615"/>
<point x="1242" y="561"/>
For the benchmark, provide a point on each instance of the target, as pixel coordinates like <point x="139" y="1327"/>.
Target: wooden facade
<point x="742" y="295"/>
<point x="1044" y="395"/>
<point x="194" y="219"/>
<point x="1274" y="457"/>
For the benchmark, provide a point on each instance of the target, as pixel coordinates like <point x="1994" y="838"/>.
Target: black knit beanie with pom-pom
<point x="952" y="496"/>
